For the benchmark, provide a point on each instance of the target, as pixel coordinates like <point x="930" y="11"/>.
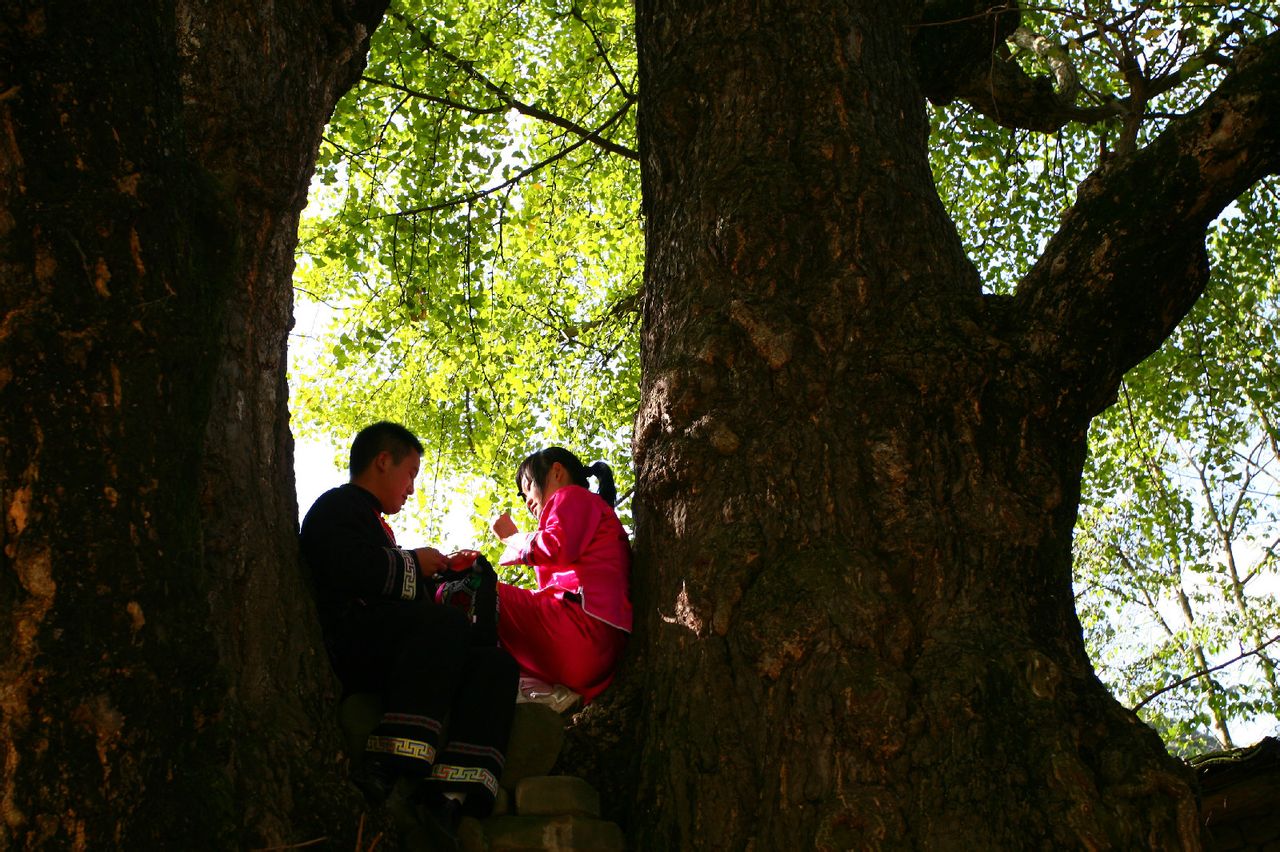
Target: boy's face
<point x="394" y="481"/>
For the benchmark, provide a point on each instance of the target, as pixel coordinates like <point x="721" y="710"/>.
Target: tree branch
<point x="471" y="197"/>
<point x="511" y="102"/>
<point x="1056" y="57"/>
<point x="956" y="40"/>
<point x="1129" y="259"/>
<point x="603" y="53"/>
<point x="420" y="95"/>
<point x="1205" y="672"/>
<point x="961" y="55"/>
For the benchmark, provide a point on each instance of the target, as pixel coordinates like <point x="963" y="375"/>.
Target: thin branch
<point x="1269" y="555"/>
<point x="603" y="53"/>
<point x="1268" y="427"/>
<point x="512" y="102"/>
<point x="471" y="323"/>
<point x="315" y="297"/>
<point x="461" y="107"/>
<point x="1104" y="27"/>
<point x="628" y="304"/>
<point x="1205" y="672"/>
<point x="511" y="181"/>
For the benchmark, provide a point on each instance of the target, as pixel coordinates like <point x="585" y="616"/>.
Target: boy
<point x="384" y="633"/>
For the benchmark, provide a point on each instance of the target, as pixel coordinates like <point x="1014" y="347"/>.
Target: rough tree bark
<point x="159" y="679"/>
<point x="858" y="475"/>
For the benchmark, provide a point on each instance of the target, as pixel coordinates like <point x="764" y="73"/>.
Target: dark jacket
<point x="353" y="560"/>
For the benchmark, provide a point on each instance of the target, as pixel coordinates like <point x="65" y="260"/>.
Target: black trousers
<point x="448" y="703"/>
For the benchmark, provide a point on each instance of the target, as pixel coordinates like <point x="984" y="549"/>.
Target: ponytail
<point x="608" y="491"/>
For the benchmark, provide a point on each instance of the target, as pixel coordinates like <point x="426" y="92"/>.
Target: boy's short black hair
<point x="374" y="439"/>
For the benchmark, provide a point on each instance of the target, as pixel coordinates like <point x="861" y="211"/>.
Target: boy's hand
<point x="430" y="560"/>
<point x="503" y="527"/>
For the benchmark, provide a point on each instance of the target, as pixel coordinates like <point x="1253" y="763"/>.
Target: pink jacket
<point x="580" y="547"/>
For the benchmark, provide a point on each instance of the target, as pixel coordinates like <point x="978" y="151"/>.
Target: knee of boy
<point x="506" y="665"/>
<point x="444" y="627"/>
<point x="506" y="669"/>
<point x="497" y="662"/>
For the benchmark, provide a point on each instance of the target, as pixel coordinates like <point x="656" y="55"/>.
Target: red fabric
<point x="391" y="536"/>
<point x="580" y="546"/>
<point x="555" y="641"/>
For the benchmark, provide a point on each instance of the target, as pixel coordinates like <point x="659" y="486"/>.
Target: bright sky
<point x="315" y="472"/>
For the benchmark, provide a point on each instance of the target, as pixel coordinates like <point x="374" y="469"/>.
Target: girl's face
<point x="536" y="496"/>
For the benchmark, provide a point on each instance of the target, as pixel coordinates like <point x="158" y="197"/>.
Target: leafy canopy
<point x="474" y="234"/>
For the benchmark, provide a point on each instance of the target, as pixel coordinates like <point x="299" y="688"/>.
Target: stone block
<point x="471" y="835"/>
<point x="552" y="834"/>
<point x="537" y="734"/>
<point x="552" y="795"/>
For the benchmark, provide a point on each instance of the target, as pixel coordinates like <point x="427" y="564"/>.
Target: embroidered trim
<point x="401" y="746"/>
<point x="470" y="774"/>
<point x="409" y="583"/>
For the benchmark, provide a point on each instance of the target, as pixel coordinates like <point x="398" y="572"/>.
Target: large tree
<point x="161" y="679"/>
<point x="858" y="474"/>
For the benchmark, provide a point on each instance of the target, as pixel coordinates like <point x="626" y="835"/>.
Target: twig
<point x="511" y="101"/>
<point x="303" y="845"/>
<point x="1202" y="673"/>
<point x="519" y="176"/>
<point x="461" y="107"/>
<point x="602" y="52"/>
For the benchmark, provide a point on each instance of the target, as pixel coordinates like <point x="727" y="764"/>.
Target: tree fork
<point x="854" y="506"/>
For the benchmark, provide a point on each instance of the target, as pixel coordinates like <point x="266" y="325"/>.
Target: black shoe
<point x="374" y="780"/>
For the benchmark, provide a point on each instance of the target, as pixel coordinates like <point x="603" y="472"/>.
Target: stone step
<point x="537" y="735"/>
<point x="551" y="812"/>
<point x="565" y="833"/>
<point x="557" y="795"/>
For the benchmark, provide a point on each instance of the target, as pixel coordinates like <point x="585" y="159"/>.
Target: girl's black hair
<point x="536" y="467"/>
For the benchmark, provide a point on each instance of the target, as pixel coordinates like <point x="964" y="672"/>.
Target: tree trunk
<point x="856" y="486"/>
<point x="162" y="683"/>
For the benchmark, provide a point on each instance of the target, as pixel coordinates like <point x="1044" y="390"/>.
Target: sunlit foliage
<point x="474" y="228"/>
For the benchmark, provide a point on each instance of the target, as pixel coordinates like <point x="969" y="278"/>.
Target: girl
<point x="571" y="630"/>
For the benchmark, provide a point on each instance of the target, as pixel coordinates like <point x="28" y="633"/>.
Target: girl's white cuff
<point x="515" y="546"/>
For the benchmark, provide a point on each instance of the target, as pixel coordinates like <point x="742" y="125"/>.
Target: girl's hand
<point x="503" y="527"/>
